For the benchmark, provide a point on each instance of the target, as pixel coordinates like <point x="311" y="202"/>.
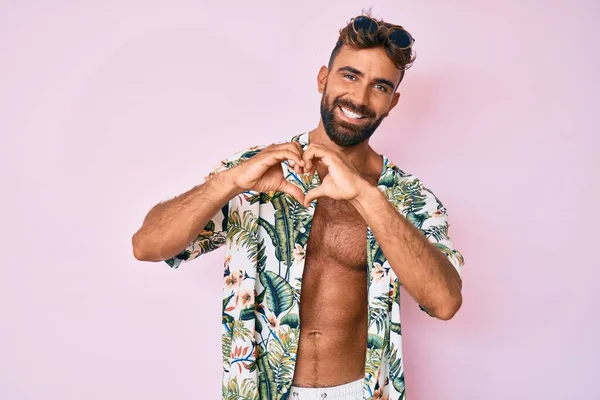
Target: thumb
<point x="313" y="194"/>
<point x="293" y="190"/>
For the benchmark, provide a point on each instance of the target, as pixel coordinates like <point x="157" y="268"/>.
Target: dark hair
<point x="402" y="58"/>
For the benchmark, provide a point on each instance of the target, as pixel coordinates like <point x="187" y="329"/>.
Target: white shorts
<point x="348" y="391"/>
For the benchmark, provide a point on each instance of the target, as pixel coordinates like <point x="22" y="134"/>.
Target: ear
<point x="322" y="79"/>
<point x="394" y="101"/>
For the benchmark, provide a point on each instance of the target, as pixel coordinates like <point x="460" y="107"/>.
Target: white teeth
<point x="350" y="114"/>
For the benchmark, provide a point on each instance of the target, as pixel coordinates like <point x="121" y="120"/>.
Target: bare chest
<point x="337" y="236"/>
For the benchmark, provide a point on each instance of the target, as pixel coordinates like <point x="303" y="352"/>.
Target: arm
<point x="425" y="272"/>
<point x="170" y="226"/>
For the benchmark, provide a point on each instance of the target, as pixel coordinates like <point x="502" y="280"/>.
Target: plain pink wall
<point x="107" y="107"/>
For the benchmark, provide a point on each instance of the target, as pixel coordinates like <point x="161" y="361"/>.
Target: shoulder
<point x="235" y="159"/>
<point x="242" y="155"/>
<point x="409" y="191"/>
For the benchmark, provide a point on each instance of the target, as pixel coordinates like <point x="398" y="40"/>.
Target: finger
<point x="295" y="166"/>
<point x="296" y="148"/>
<point x="317" y="152"/>
<point x="274" y="157"/>
<point x="293" y="191"/>
<point x="313" y="194"/>
<point x="308" y="158"/>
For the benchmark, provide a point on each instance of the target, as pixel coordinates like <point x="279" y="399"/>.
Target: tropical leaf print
<point x="262" y="197"/>
<point x="297" y="290"/>
<point x="372" y="363"/>
<point x="282" y="355"/>
<point x="267" y="386"/>
<point x="226" y="348"/>
<point x="270" y="229"/>
<point x="438" y="232"/>
<point x="396" y="373"/>
<point x="207" y="240"/>
<point x="245" y="391"/>
<point x="375" y="342"/>
<point x="440" y="206"/>
<point x="377" y="255"/>
<point x="210" y="243"/>
<point x="407" y="195"/>
<point x="450" y="252"/>
<point x="379" y="313"/>
<point x="292" y="320"/>
<point x="417" y="219"/>
<point x="243" y="231"/>
<point x="410" y="187"/>
<point x="395" y="327"/>
<point x="247" y="313"/>
<point x="241" y="332"/>
<point x="284" y="226"/>
<point x="396" y="291"/>
<point x="388" y="180"/>
<point x="282" y="233"/>
<point x="279" y="293"/>
<point x="246" y="155"/>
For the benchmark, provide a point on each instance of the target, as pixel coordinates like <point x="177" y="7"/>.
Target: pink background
<point x="107" y="107"/>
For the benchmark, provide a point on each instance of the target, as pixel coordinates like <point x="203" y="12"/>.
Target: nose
<point x="360" y="95"/>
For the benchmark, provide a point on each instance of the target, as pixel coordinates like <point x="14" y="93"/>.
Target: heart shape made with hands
<point x="342" y="181"/>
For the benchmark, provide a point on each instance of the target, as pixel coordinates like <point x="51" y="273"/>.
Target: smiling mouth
<point x="351" y="114"/>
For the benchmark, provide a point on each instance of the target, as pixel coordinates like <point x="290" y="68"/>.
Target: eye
<point x="350" y="77"/>
<point x="381" y="88"/>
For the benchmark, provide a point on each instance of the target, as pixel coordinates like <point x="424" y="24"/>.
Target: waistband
<point x="348" y="391"/>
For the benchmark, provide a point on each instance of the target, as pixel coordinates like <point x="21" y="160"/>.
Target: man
<point x="323" y="221"/>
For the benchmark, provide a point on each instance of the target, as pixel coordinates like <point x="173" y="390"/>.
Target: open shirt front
<point x="265" y="236"/>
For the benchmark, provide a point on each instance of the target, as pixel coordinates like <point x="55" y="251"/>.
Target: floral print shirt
<point x="265" y="236"/>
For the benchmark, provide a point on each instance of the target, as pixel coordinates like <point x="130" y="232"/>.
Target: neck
<point x="361" y="156"/>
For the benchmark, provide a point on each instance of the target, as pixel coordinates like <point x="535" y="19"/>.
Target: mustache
<point x="362" y="110"/>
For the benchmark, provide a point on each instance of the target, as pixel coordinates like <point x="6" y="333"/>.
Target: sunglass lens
<point x="401" y="38"/>
<point x="365" y="24"/>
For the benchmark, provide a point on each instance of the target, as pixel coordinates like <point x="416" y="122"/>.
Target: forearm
<point x="171" y="225"/>
<point x="424" y="271"/>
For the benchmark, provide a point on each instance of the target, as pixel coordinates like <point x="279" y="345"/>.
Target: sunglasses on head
<point x="398" y="36"/>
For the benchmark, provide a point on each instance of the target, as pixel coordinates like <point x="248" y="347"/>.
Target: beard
<point x="342" y="133"/>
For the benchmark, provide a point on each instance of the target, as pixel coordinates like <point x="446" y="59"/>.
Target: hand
<point x="263" y="172"/>
<point x="342" y="182"/>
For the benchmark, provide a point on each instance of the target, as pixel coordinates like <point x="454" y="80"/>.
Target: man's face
<point x="358" y="93"/>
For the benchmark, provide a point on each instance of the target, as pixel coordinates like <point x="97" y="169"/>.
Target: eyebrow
<point x="350" y="69"/>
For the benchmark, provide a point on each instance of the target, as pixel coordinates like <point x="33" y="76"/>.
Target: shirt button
<point x="302" y="230"/>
